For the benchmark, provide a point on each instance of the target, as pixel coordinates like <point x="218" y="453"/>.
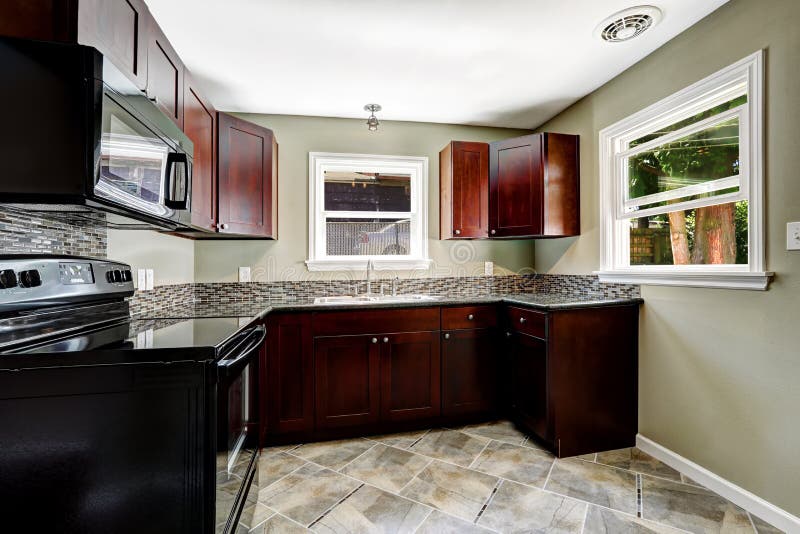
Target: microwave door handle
<point x="227" y="366"/>
<point x="176" y="181"/>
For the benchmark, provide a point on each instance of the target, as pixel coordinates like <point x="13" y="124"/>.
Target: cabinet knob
<point x="374" y="339"/>
<point x="457" y="232"/>
<point x="447" y="336"/>
<point x="386" y="340"/>
<point x="222" y="226"/>
<point x="493" y="232"/>
<point x="470" y="317"/>
<point x="508" y="334"/>
<point x="522" y="320"/>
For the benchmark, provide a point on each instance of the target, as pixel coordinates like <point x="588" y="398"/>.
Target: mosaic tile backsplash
<point x="226" y="293"/>
<point x="23" y="232"/>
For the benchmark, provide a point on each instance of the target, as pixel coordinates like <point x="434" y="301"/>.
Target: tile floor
<point x="479" y="478"/>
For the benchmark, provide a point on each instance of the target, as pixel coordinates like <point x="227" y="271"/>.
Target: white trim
<point x="416" y="167"/>
<point x="744" y="76"/>
<point x="754" y="504"/>
<point x="709" y="186"/>
<point x="716" y="280"/>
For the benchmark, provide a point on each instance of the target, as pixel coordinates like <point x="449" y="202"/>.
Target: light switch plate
<point x="488" y="268"/>
<point x="150" y="282"/>
<point x="793" y="236"/>
<point x="141" y="279"/>
<point x="244" y="274"/>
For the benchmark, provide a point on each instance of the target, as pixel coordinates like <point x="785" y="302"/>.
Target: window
<point x="681" y="186"/>
<point x="367" y="207"/>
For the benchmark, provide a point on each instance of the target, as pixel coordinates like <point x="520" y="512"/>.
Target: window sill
<point x="756" y="281"/>
<point x="406" y="264"/>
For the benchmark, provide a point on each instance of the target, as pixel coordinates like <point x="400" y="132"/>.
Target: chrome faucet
<point x="395" y="280"/>
<point x="370" y="268"/>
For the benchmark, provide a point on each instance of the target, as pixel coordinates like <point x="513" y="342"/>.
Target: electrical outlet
<point x="793" y="236"/>
<point x="488" y="268"/>
<point x="244" y="274"/>
<point x="150" y="282"/>
<point x="141" y="279"/>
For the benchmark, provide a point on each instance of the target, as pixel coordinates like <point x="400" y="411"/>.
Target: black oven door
<point x="237" y="423"/>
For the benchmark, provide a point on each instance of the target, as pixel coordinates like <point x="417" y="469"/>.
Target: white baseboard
<point x="752" y="503"/>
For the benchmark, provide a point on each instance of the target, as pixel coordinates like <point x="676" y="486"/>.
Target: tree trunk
<point x="715" y="235"/>
<point x="678" y="238"/>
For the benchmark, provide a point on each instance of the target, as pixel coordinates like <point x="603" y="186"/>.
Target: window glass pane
<point x="716" y="110"/>
<point x="368" y="237"/>
<point x="361" y="191"/>
<point x="696" y="159"/>
<point x="701" y="236"/>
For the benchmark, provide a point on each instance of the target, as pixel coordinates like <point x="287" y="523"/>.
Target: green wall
<point x="719" y="369"/>
<point x="283" y="259"/>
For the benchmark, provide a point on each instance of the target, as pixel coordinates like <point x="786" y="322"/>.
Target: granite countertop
<point x="259" y="309"/>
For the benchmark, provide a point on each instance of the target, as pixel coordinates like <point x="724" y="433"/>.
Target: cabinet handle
<point x="470" y="317"/>
<point x="447" y="336"/>
<point x="493" y="232"/>
<point x="374" y="339"/>
<point x="153" y="99"/>
<point x="457" y="232"/>
<point x="522" y="320"/>
<point x="386" y="340"/>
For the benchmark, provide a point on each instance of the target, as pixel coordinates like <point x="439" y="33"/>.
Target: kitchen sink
<point x="368" y="299"/>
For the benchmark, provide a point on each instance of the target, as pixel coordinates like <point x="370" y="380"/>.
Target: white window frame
<point x="416" y="167"/>
<point x="746" y="75"/>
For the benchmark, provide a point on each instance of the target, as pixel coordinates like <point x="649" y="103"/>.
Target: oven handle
<point x="229" y="366"/>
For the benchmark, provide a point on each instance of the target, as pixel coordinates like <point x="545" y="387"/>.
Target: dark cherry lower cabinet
<point x="568" y="377"/>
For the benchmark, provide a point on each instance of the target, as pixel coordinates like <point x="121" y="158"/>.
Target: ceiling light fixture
<point x="372" y="121"/>
<point x="628" y="23"/>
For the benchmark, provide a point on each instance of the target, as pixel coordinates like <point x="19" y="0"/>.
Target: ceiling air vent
<point x="628" y="24"/>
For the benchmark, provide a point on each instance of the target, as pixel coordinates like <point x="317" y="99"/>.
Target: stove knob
<point x="7" y="279"/>
<point x="110" y="277"/>
<point x="30" y="278"/>
<point x="117" y="276"/>
<point x="127" y="276"/>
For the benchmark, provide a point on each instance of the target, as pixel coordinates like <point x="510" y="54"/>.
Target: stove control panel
<point x="30" y="281"/>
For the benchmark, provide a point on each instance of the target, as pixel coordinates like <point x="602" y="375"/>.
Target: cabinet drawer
<point x="463" y="317"/>
<point x="528" y="322"/>
<point x="355" y="322"/>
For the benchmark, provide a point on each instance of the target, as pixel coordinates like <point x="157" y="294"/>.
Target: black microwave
<point x="78" y="133"/>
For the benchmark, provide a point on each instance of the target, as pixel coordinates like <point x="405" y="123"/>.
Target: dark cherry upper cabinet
<point x="199" y="124"/>
<point x="247" y="178"/>
<point x="533" y="186"/>
<point x="410" y="376"/>
<point x="165" y="73"/>
<point x="289" y="375"/>
<point x="45" y="20"/>
<point x="469" y="372"/>
<point x="464" y="190"/>
<point x="347" y="380"/>
<point x="118" y="28"/>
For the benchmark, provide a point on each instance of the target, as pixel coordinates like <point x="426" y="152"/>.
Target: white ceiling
<point x="499" y="63"/>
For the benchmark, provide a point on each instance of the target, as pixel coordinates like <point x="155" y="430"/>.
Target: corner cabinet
<point x="525" y="187"/>
<point x="247" y="178"/>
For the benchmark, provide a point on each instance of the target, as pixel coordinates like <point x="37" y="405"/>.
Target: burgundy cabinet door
<point x="464" y="190"/>
<point x="247" y="174"/>
<point x="469" y="372"/>
<point x="410" y="376"/>
<point x="529" y="406"/>
<point x="289" y="374"/>
<point x="347" y="382"/>
<point x="516" y="187"/>
<point x="164" y="74"/>
<point x="45" y="20"/>
<point x="199" y="119"/>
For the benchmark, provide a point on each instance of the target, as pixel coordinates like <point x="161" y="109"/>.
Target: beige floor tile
<point x="500" y="430"/>
<point x="594" y="483"/>
<point x="602" y="521"/>
<point x="439" y="523"/>
<point x="518" y="508"/>
<point x="272" y="467"/>
<point x="386" y="467"/>
<point x="307" y="493"/>
<point x="455" y="490"/>
<point x="401" y="440"/>
<point x="633" y="459"/>
<point x="255" y="514"/>
<point x="450" y="446"/>
<point x="372" y="510"/>
<point x="762" y="527"/>
<point x="691" y="508"/>
<point x="514" y="462"/>
<point x="279" y="525"/>
<point x="333" y="454"/>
